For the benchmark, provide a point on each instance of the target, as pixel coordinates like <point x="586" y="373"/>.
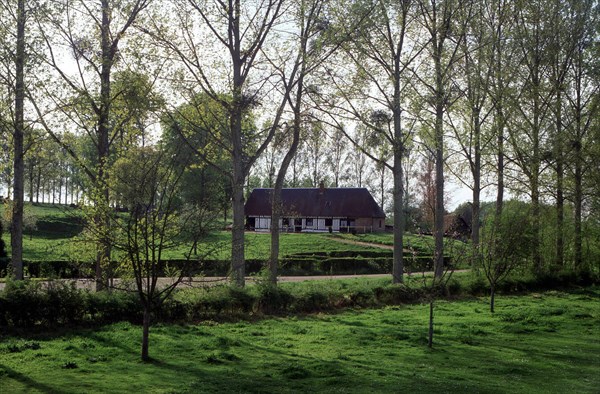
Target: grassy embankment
<point x="540" y="342"/>
<point x="57" y="237"/>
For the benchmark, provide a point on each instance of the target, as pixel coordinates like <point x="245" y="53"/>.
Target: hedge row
<point x="28" y="304"/>
<point x="289" y="266"/>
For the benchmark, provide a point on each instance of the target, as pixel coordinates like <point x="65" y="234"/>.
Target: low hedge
<point x="30" y="304"/>
<point x="298" y="265"/>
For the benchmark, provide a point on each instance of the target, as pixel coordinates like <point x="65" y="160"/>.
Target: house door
<point x="297" y="225"/>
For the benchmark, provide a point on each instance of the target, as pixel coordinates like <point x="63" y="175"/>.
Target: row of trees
<point x="498" y="94"/>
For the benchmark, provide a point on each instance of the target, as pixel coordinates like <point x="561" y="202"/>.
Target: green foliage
<point x="27" y="304"/>
<point x="505" y="241"/>
<point x="30" y="304"/>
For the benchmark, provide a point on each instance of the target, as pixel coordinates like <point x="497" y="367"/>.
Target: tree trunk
<point x="38" y="184"/>
<point x="238" y="268"/>
<point x="439" y="187"/>
<point x="31" y="177"/>
<point x="102" y="220"/>
<point x="145" y="333"/>
<point x="500" y="164"/>
<point x="475" y="207"/>
<point x="16" y="230"/>
<point x="398" y="196"/>
<point x="492" y="298"/>
<point x="439" y="93"/>
<point x="560" y="199"/>
<point x="276" y="196"/>
<point x="578" y="205"/>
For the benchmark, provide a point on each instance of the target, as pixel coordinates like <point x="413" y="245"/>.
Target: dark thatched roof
<point x="316" y="202"/>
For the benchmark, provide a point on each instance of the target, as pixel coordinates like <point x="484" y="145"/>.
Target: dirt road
<point x="361" y="243"/>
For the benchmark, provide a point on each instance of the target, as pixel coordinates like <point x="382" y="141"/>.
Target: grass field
<point x="57" y="227"/>
<point x="537" y="343"/>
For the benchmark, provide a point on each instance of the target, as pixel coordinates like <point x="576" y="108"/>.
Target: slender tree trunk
<point x="31" y="175"/>
<point x="276" y="196"/>
<point x="500" y="164"/>
<point x="16" y="230"/>
<point x="398" y="194"/>
<point x="238" y="268"/>
<point x="578" y="203"/>
<point x="475" y="208"/>
<point x="102" y="220"/>
<point x="60" y="186"/>
<point x="560" y="199"/>
<point x="38" y="184"/>
<point x="439" y="178"/>
<point x="492" y="298"/>
<point x="535" y="193"/>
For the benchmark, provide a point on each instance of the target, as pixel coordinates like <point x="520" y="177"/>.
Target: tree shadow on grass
<point x="27" y="381"/>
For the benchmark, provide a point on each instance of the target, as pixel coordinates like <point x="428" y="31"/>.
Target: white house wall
<point x="263" y="223"/>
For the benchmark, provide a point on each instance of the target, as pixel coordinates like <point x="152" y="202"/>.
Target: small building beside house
<point x="317" y="210"/>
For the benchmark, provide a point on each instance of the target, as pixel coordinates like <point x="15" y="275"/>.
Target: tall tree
<point x="16" y="50"/>
<point x="582" y="95"/>
<point x="446" y="30"/>
<point x="16" y="228"/>
<point x="89" y="100"/>
<point x="381" y="49"/>
<point x="499" y="22"/>
<point x="529" y="130"/>
<point x="562" y="46"/>
<point x="238" y="30"/>
<point x="313" y="42"/>
<point x="472" y="115"/>
<point x="148" y="180"/>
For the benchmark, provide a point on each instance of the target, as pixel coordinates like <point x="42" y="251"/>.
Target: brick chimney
<point x="321" y="187"/>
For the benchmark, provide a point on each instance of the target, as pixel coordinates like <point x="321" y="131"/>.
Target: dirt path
<point x="362" y="243"/>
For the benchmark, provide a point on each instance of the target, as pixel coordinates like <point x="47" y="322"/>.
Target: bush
<point x="23" y="304"/>
<point x="30" y="304"/>
<point x="65" y="304"/>
<point x="273" y="299"/>
<point x="397" y="294"/>
<point x="109" y="307"/>
<point x="311" y="301"/>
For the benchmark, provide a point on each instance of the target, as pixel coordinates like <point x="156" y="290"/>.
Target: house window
<point x="286" y="221"/>
<point x="328" y="222"/>
<point x="380" y="224"/>
<point x="309" y="222"/>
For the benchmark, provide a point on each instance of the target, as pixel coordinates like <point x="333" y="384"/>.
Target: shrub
<point x="108" y="307"/>
<point x="311" y="301"/>
<point x="65" y="303"/>
<point x="273" y="299"/>
<point x="397" y="294"/>
<point x="24" y="304"/>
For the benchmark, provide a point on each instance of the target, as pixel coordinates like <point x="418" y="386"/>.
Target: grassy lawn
<point x="57" y="228"/>
<point x="546" y="343"/>
<point x="422" y="243"/>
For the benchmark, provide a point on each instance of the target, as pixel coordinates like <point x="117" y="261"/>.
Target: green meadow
<point x="56" y="234"/>
<point x="536" y="343"/>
